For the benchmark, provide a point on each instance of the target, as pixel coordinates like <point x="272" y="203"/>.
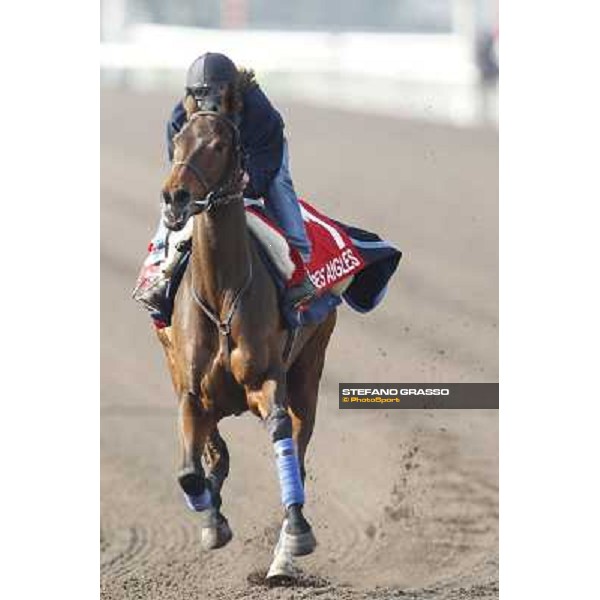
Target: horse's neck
<point x="220" y="253"/>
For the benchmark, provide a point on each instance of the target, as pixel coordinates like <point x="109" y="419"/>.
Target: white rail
<point x="406" y="57"/>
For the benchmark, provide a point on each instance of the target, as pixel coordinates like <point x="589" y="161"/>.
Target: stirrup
<point x="300" y="294"/>
<point x="151" y="289"/>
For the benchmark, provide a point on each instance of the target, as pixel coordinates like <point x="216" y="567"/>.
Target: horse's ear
<point x="190" y="106"/>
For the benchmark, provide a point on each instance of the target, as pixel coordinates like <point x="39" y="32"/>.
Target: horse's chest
<point x="249" y="363"/>
<point x="221" y="392"/>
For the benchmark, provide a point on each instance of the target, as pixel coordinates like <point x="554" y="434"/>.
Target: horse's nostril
<point x="181" y="196"/>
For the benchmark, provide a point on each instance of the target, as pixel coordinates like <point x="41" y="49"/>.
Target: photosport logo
<point x="418" y="395"/>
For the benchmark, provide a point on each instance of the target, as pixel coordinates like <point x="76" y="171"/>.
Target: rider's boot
<point x="301" y="293"/>
<point x="301" y="289"/>
<point x="152" y="284"/>
<point x="151" y="288"/>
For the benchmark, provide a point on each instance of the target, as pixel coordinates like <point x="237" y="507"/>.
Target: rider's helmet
<point x="208" y="78"/>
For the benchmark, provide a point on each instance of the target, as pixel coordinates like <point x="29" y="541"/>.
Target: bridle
<point x="225" y="192"/>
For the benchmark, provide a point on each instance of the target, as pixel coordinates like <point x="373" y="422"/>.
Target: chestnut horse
<point x="227" y="343"/>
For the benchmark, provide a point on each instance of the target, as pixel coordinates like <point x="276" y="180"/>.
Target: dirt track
<point x="403" y="503"/>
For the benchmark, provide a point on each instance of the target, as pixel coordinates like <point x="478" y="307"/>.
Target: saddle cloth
<point x="346" y="263"/>
<point x="334" y="259"/>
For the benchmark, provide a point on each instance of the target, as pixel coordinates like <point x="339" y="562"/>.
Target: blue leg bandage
<point x="200" y="502"/>
<point x="288" y="469"/>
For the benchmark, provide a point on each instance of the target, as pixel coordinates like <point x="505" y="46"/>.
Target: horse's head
<point x="205" y="170"/>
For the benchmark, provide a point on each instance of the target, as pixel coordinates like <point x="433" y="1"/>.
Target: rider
<point x="214" y="83"/>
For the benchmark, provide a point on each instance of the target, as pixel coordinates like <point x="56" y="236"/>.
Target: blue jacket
<point x="261" y="136"/>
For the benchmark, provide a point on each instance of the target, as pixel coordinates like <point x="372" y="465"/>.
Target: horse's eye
<point x="219" y="147"/>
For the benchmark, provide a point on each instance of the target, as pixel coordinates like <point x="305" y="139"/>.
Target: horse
<point x="227" y="349"/>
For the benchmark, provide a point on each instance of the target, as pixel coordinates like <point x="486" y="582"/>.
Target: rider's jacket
<point x="261" y="136"/>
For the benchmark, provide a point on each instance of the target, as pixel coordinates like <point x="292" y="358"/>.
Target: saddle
<point x="347" y="263"/>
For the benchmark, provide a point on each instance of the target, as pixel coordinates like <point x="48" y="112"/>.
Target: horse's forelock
<point x="187" y="129"/>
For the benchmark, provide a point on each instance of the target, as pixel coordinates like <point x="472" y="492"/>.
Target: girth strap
<point x="224" y="325"/>
<point x="289" y="343"/>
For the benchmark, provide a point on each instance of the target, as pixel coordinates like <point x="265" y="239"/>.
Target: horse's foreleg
<point x="303" y="388"/>
<point x="297" y="537"/>
<point x="303" y="380"/>
<point x="216" y="456"/>
<point x="282" y="565"/>
<point x="303" y="420"/>
<point x="195" y="427"/>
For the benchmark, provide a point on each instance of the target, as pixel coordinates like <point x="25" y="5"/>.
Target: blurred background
<point x="436" y="59"/>
<point x="390" y="109"/>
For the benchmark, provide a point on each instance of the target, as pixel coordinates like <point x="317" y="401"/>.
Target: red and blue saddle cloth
<point x="338" y="252"/>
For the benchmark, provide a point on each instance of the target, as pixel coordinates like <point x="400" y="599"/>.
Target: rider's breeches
<point x="158" y="246"/>
<point x="282" y="206"/>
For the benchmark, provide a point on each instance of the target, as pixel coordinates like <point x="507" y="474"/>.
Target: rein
<point x="223" y="194"/>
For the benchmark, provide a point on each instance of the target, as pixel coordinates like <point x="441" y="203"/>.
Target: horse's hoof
<point x="216" y="534"/>
<point x="297" y="537"/>
<point x="281" y="569"/>
<point x="299" y="544"/>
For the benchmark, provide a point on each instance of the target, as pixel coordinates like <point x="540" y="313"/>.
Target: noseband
<point x="225" y="191"/>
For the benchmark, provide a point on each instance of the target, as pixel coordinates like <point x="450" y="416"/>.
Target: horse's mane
<point x="246" y="80"/>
